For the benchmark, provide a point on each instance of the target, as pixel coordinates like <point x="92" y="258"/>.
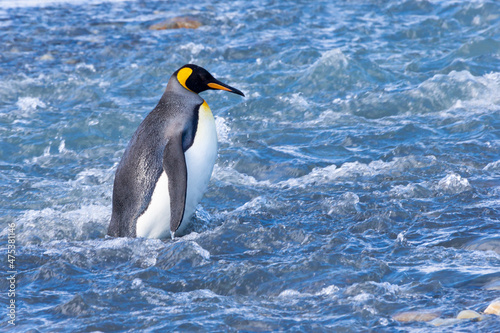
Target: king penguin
<point x="167" y="165"/>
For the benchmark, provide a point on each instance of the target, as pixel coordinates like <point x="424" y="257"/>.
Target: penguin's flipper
<point x="174" y="164"/>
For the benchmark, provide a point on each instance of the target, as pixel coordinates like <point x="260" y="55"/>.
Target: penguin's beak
<point x="216" y="84"/>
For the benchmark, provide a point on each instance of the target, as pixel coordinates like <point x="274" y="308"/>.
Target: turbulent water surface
<point x="359" y="178"/>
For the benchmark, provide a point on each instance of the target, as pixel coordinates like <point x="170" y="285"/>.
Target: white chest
<point x="200" y="160"/>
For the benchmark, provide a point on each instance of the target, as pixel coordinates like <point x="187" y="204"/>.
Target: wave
<point x="6" y="4"/>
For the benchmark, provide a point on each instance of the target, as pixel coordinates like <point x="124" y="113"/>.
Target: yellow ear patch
<point x="183" y="75"/>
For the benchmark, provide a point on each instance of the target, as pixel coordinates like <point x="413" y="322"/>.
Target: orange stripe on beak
<point x="218" y="86"/>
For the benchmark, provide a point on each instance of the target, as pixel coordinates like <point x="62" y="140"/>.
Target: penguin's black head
<point x="198" y="79"/>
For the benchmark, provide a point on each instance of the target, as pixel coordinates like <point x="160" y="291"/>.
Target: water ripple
<point x="357" y="183"/>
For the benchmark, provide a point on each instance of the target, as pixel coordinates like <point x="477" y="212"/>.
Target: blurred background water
<point x="357" y="180"/>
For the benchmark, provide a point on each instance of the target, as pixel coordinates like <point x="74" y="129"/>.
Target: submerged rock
<point x="444" y="321"/>
<point x="493" y="308"/>
<point x="415" y="316"/>
<point x="177" y="23"/>
<point x="484" y="244"/>
<point x="469" y="314"/>
<point x="433" y="317"/>
<point x="47" y="57"/>
<point x="494" y="285"/>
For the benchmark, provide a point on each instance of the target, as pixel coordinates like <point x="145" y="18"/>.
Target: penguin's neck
<point x="174" y="87"/>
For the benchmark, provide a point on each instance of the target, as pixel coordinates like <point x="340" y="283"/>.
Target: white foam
<point x="333" y="58"/>
<point x="328" y="291"/>
<point x="86" y="67"/>
<point x="347" y="203"/>
<point x="291" y="150"/>
<point x="296" y="99"/>
<point x="349" y="171"/>
<point x="205" y="293"/>
<point x="51" y="223"/>
<point x="294" y="294"/>
<point x="29" y="103"/>
<point x="317" y="175"/>
<point x="471" y="92"/>
<point x="353" y="170"/>
<point x="94" y="175"/>
<point x="192" y="236"/>
<point x="253" y="205"/>
<point x="223" y="130"/>
<point x="137" y="283"/>
<point x="194" y="48"/>
<point x="201" y="251"/>
<point x="454" y="183"/>
<point x="362" y="297"/>
<point x="366" y="291"/>
<point x="445" y="267"/>
<point x="330" y="63"/>
<point x="5" y="4"/>
<point x="229" y="176"/>
<point x="411" y="190"/>
<point x="62" y="147"/>
<point x="290" y="293"/>
<point x="401" y="239"/>
<point x="141" y="251"/>
<point x="403" y="191"/>
<point x="493" y="166"/>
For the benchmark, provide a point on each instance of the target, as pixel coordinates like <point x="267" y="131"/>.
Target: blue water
<point x="359" y="178"/>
